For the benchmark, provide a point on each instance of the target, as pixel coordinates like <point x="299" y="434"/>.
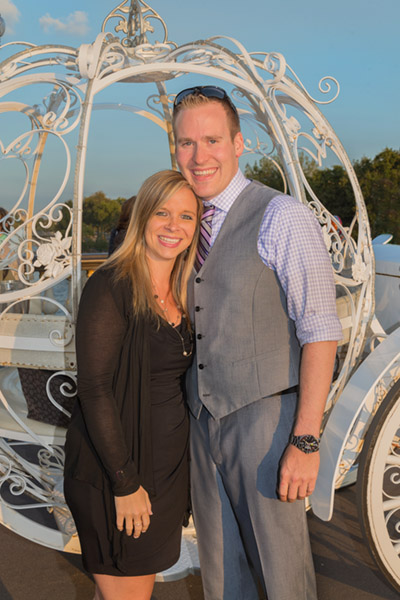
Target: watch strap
<point x="306" y="443"/>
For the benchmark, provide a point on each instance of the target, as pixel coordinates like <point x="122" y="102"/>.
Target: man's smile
<point x="204" y="172"/>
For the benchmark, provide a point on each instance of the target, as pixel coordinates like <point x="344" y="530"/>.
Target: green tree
<point x="380" y="183"/>
<point x="100" y="212"/>
<point x="332" y="187"/>
<point x="100" y="215"/>
<point x="266" y="172"/>
<point x="379" y="180"/>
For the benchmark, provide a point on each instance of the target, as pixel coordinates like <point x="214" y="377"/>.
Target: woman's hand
<point x="135" y="511"/>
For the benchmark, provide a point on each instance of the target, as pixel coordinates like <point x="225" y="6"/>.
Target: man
<point x="266" y="329"/>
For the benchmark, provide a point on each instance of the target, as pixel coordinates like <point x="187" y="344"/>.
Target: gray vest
<point x="246" y="346"/>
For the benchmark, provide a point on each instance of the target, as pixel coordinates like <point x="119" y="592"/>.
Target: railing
<point x="92" y="261"/>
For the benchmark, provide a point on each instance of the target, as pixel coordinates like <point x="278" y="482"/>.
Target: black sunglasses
<point x="209" y="91"/>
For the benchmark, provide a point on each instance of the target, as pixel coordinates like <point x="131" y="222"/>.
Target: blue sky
<point x="355" y="41"/>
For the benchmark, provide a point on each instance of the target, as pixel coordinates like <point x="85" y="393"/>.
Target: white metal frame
<point x="282" y="120"/>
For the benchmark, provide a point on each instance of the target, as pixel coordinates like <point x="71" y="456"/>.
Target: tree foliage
<point x="269" y="173"/>
<point x="100" y="215"/>
<point x="380" y="183"/>
<point x="379" y="179"/>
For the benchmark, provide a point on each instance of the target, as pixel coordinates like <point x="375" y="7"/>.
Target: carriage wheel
<point x="378" y="487"/>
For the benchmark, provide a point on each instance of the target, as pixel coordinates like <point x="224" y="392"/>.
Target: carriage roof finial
<point x="137" y="20"/>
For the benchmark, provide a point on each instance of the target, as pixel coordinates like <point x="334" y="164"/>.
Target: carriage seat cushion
<point x="40" y="408"/>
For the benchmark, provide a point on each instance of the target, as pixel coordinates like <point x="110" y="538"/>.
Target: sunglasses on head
<point x="209" y="91"/>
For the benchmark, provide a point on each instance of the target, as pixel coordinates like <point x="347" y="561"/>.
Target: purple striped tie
<point x="205" y="236"/>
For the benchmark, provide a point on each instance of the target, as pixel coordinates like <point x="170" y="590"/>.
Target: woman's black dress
<point x="158" y="548"/>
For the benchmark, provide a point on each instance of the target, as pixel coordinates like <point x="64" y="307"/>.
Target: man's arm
<point x="298" y="471"/>
<point x="291" y="243"/>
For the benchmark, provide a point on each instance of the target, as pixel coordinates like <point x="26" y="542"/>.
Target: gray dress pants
<point x="246" y="536"/>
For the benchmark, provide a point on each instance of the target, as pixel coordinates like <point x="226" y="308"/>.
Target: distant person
<point x="118" y="233"/>
<point x="126" y="468"/>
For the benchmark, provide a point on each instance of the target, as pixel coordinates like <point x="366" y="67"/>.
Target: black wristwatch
<point x="305" y="443"/>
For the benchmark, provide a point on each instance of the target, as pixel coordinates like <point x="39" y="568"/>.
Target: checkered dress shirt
<point x="290" y="243"/>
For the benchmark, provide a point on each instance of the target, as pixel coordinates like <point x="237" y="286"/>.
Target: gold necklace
<point x="164" y="309"/>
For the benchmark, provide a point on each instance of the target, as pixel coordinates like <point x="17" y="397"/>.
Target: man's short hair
<point x="197" y="98"/>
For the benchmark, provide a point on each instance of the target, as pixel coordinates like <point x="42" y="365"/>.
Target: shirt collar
<point x="227" y="197"/>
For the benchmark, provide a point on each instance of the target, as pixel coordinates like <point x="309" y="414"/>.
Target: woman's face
<point x="171" y="228"/>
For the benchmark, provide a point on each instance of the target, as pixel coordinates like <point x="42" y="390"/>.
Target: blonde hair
<point x="129" y="260"/>
<point x="197" y="99"/>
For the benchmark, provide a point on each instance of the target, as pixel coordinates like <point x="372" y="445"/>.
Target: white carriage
<point x="50" y="93"/>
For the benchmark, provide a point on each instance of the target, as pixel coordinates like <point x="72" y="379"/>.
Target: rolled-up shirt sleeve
<point x="291" y="243"/>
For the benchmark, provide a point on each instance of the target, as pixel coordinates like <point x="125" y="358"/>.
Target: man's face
<point x="206" y="154"/>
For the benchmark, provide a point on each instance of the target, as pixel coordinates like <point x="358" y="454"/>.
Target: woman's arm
<point x="100" y="334"/>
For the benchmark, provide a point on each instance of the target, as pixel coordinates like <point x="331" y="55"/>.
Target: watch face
<point x="305" y="443"/>
<point x="309" y="439"/>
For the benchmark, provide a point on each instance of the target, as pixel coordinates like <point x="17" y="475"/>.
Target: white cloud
<point x="75" y="24"/>
<point x="10" y="14"/>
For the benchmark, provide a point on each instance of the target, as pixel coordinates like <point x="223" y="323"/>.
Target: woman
<point x="126" y="468"/>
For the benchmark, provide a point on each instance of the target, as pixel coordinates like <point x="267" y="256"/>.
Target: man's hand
<point x="134" y="510"/>
<point x="298" y="470"/>
<point x="298" y="474"/>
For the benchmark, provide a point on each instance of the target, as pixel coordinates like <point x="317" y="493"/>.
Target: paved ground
<point x="344" y="568"/>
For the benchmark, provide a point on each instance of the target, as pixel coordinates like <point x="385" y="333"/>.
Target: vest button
<point x="198" y="280"/>
<point x="199" y="336"/>
<point x="201" y="366"/>
<point x="197" y="308"/>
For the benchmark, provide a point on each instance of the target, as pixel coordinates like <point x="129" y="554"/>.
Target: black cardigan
<point x="108" y="441"/>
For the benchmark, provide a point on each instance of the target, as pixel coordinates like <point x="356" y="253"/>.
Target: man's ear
<point x="238" y="143"/>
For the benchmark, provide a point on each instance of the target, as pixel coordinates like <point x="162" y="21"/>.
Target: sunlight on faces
<point x="206" y="153"/>
<point x="171" y="228"/>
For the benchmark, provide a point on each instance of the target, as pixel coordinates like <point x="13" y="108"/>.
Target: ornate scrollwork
<point x="155" y="103"/>
<point x="22" y="477"/>
<point x="391" y="491"/>
<point x="355" y="440"/>
<point x="326" y="85"/>
<point x="52" y="256"/>
<point x="275" y="64"/>
<point x="40" y="488"/>
<point x="281" y="123"/>
<point x="52" y="461"/>
<point x="359" y="269"/>
<point x="62" y="102"/>
<point x="67" y="388"/>
<point x="135" y="20"/>
<point x="43" y="256"/>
